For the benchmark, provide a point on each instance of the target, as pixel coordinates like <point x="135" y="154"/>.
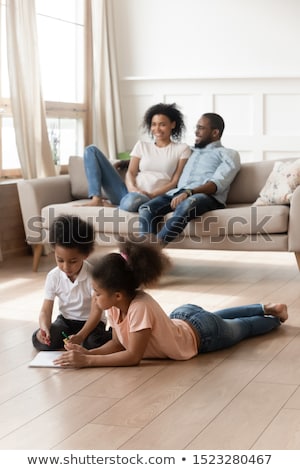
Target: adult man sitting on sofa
<point x="203" y="185"/>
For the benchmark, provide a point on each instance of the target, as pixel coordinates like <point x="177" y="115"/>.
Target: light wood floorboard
<point x="245" y="397"/>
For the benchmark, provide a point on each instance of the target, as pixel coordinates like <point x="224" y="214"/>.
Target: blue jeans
<point x="132" y="201"/>
<point x="227" y="327"/>
<point x="152" y="212"/>
<point x="103" y="179"/>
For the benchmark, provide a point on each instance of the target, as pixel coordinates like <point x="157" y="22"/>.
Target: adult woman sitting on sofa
<point x="154" y="166"/>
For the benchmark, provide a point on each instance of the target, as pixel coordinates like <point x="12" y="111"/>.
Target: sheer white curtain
<point x="26" y="97"/>
<point x="107" y="129"/>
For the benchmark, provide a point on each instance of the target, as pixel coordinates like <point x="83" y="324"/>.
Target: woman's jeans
<point x="152" y="212"/>
<point x="227" y="327"/>
<point x="104" y="180"/>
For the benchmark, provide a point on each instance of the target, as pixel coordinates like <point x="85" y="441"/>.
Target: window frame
<point x="57" y="109"/>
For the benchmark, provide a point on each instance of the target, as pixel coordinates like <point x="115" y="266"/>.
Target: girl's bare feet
<point x="277" y="310"/>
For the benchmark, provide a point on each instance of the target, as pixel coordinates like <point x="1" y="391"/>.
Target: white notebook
<point x="45" y="359"/>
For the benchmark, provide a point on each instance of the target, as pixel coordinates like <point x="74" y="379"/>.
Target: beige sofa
<point x="240" y="226"/>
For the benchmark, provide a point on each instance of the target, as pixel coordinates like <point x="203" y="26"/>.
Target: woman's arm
<point x="173" y="182"/>
<point x="131" y="174"/>
<point x="101" y="357"/>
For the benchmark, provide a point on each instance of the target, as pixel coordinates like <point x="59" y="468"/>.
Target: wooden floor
<point x="246" y="397"/>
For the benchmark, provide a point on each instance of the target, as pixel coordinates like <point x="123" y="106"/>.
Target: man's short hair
<point x="216" y="122"/>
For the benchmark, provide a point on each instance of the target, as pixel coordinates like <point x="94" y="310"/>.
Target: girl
<point x="141" y="329"/>
<point x="154" y="166"/>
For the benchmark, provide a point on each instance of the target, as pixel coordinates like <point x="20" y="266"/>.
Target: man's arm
<point x="206" y="188"/>
<point x="227" y="170"/>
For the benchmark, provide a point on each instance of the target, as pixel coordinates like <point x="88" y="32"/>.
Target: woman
<point x="154" y="167"/>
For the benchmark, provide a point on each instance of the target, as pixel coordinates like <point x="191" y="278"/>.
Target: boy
<point x="80" y="320"/>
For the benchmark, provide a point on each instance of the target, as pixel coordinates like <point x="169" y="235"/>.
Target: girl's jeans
<point x="226" y="327"/>
<point x="103" y="179"/>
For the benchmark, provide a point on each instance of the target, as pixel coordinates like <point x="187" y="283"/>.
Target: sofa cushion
<point x="240" y="220"/>
<point x="248" y="182"/>
<point x="281" y="183"/>
<point x="235" y="220"/>
<point x="79" y="185"/>
<point x="106" y="220"/>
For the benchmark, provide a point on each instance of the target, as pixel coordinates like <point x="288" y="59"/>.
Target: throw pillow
<point x="281" y="184"/>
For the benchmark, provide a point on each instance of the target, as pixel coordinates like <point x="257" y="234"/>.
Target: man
<point x="203" y="186"/>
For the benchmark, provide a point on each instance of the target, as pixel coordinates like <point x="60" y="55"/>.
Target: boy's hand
<point x="74" y="339"/>
<point x="44" y="337"/>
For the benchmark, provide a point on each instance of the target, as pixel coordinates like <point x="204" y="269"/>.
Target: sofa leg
<point x="297" y="254"/>
<point x="37" y="253"/>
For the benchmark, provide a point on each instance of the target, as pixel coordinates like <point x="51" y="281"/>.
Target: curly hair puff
<point x="139" y="264"/>
<point x="169" y="110"/>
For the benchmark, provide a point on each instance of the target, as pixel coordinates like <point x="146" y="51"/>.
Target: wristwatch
<point x="189" y="192"/>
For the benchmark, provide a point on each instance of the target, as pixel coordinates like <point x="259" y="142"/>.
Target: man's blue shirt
<point x="212" y="163"/>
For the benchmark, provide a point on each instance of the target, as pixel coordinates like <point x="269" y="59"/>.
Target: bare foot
<point x="107" y="203"/>
<point x="96" y="201"/>
<point x="277" y="310"/>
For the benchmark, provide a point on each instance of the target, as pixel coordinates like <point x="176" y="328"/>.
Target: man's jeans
<point x="227" y="327"/>
<point x="104" y="180"/>
<point x="152" y="212"/>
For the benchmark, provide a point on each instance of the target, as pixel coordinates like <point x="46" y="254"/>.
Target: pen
<point x="66" y="337"/>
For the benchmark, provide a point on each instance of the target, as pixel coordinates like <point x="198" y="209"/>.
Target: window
<point x="61" y="42"/>
<point x="8" y="149"/>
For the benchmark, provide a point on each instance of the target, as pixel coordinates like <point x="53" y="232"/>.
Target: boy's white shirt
<point x="74" y="298"/>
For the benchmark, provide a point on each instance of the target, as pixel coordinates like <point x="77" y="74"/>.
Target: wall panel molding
<point x="262" y="116"/>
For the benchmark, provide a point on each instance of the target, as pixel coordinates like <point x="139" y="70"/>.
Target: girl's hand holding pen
<point x="74" y="357"/>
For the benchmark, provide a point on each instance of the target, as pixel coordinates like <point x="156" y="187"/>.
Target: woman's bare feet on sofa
<point x="277" y="310"/>
<point x="97" y="201"/>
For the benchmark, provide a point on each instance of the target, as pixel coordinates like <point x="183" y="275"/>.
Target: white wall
<point x="203" y="38"/>
<point x="239" y="58"/>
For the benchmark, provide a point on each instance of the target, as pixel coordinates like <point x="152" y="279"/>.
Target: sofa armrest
<point x="34" y="194"/>
<point x="294" y="222"/>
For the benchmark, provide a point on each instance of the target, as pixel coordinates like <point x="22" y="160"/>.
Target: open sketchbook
<point x="45" y="359"/>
